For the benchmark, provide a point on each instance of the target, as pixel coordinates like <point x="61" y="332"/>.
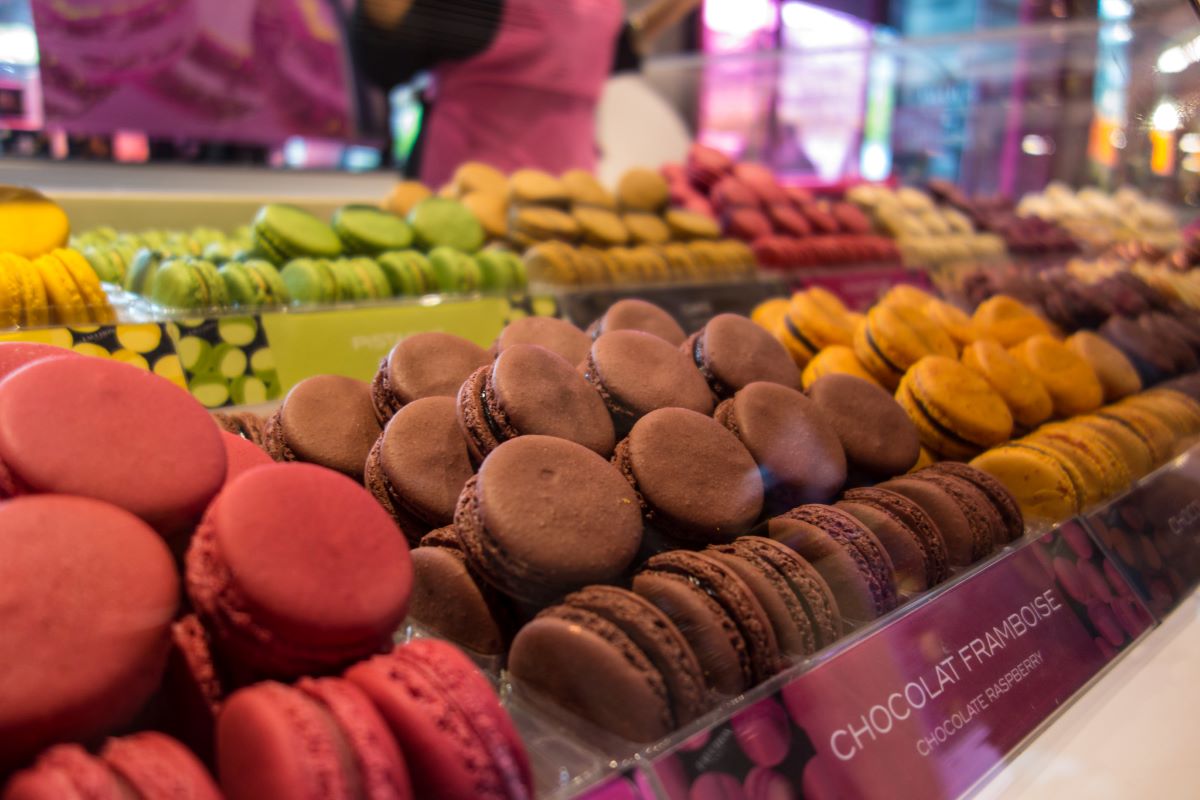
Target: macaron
<point x="583" y="189"/>
<point x="611" y="657"/>
<point x="598" y="227"/>
<point x="118" y="570"/>
<point x="717" y="613"/>
<point x="800" y="605"/>
<point x="442" y="222"/>
<point x="910" y="536"/>
<point x="793" y="441"/>
<point x="34" y="305"/>
<point x="296" y="570"/>
<point x="836" y="359"/>
<point x="1085" y="470"/>
<point x="951" y="319"/>
<point x="1133" y="450"/>
<point x="14" y="355"/>
<point x="697" y="483"/>
<point x="533" y="186"/>
<point x="637" y="372"/>
<point x="319" y="738"/>
<point x="545" y="516"/>
<point x="242" y="455"/>
<point x="193" y="687"/>
<point x="359" y="279"/>
<point x="853" y="563"/>
<point x="893" y="338"/>
<point x="456" y="738"/>
<point x="1178" y="340"/>
<point x="1007" y="320"/>
<point x="499" y="270"/>
<point x="1071" y="382"/>
<point x="955" y="410"/>
<point x="539" y="223"/>
<point x="1117" y="375"/>
<point x="769" y="313"/>
<point x="531" y="390"/>
<point x="638" y="315"/>
<point x="369" y="230"/>
<point x="1038" y="481"/>
<point x="877" y="436"/>
<point x="556" y="335"/>
<point x="731" y="352"/>
<point x="987" y="527"/>
<point x="645" y="229"/>
<point x="641" y="189"/>
<point x="491" y="209"/>
<point x="477" y="176"/>
<point x="816" y="319"/>
<point x="191" y="284"/>
<point x="963" y="515"/>
<point x="452" y="602"/>
<point x="1021" y="390"/>
<point x="688" y="225"/>
<point x="408" y="272"/>
<point x="1144" y="350"/>
<point x="60" y="418"/>
<point x="328" y="420"/>
<point x="283" y="232"/>
<point x="253" y="284"/>
<point x="427" y="364"/>
<point x="454" y="271"/>
<point x="147" y="765"/>
<point x="1002" y="500"/>
<point x="418" y="466"/>
<point x="309" y="281"/>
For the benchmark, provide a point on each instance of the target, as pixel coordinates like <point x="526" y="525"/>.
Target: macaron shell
<point x="35" y="307"/>
<point x="1132" y="448"/>
<point x="902" y="336"/>
<point x="157" y="766"/>
<point x="637" y="373"/>
<point x="987" y="528"/>
<point x="945" y="511"/>
<point x="66" y="300"/>
<point x="791" y="624"/>
<point x="89" y="285"/>
<point x="835" y="360"/>
<point x="65" y="772"/>
<point x="1025" y="395"/>
<point x="959" y="401"/>
<point x="556" y="335"/>
<point x="821" y="318"/>
<point x="60" y="417"/>
<point x="878" y="437"/>
<point x="1004" y="503"/>
<point x="451" y="601"/>
<point x="1038" y="482"/>
<point x="638" y="315"/>
<point x="1117" y="375"/>
<point x="329" y="420"/>
<point x="1007" y="320"/>
<point x="11" y="300"/>
<point x="14" y="355"/>
<point x="733" y="352"/>
<point x="1070" y="380"/>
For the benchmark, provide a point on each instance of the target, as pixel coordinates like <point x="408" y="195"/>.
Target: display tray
<point x="927" y="702"/>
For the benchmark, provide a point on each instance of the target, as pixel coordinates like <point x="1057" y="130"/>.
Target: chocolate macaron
<point x="418" y="466"/>
<point x="638" y="315"/>
<point x="910" y="536"/>
<point x="452" y="602"/>
<point x="545" y="516"/>
<point x="556" y="335"/>
<point x="963" y="516"/>
<point x="878" y="437"/>
<point x="430" y="364"/>
<point x="610" y="656"/>
<point x="529" y="389"/>
<point x="852" y="561"/>
<point x="798" y="601"/>
<point x="637" y="372"/>
<point x="731" y="351"/>
<point x="696" y="481"/>
<point x="1002" y="500"/>
<point x="792" y="441"/>
<point x="717" y="613"/>
<point x="328" y="420"/>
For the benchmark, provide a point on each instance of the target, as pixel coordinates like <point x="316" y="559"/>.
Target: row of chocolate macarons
<point x="175" y="602"/>
<point x="563" y="459"/>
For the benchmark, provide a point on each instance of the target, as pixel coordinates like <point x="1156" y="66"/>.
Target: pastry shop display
<point x="1098" y="219"/>
<point x="1024" y="236"/>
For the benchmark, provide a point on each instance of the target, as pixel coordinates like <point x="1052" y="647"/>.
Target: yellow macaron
<point x="769" y="313"/>
<point x="1071" y="381"/>
<point x="837" y="359"/>
<point x="1025" y="395"/>
<point x="85" y="277"/>
<point x="1117" y="376"/>
<point x="815" y="319"/>
<point x="956" y="411"/>
<point x="1114" y="474"/>
<point x="1037" y="481"/>
<point x="893" y="338"/>
<point x="1007" y="320"/>
<point x="1132" y="448"/>
<point x="10" y="298"/>
<point x="953" y="320"/>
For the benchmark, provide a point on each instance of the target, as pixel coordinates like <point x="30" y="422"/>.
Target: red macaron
<point x="14" y="355"/>
<point x="296" y="570"/>
<point x="106" y="430"/>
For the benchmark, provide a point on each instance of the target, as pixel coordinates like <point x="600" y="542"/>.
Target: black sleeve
<point x="433" y="31"/>
<point x="626" y="58"/>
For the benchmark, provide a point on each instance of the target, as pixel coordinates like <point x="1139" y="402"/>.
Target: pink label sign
<point x="858" y="287"/>
<point x="927" y="705"/>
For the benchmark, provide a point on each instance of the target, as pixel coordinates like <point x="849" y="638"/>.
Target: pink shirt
<point x="529" y="99"/>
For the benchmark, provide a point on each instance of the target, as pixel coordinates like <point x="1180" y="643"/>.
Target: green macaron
<point x="139" y="278"/>
<point x="370" y="230"/>
<point x="456" y="272"/>
<point x="187" y="284"/>
<point x="403" y="273"/>
<point x="309" y="281"/>
<point x="442" y="222"/>
<point x="106" y="262"/>
<point x="253" y="284"/>
<point x="283" y="232"/>
<point x="370" y="280"/>
<point x="277" y="291"/>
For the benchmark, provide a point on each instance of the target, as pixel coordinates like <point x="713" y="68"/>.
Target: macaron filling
<point x="701" y="361"/>
<point x="486" y="423"/>
<point x="622" y="414"/>
<point x="870" y="337"/>
<point x="273" y="441"/>
<point x="801" y="338"/>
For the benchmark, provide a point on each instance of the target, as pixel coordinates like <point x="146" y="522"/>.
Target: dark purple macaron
<point x="613" y="658"/>
<point x="959" y="517"/>
<point x="696" y="481"/>
<point x="1176" y="339"/>
<point x="546" y="516"/>
<point x="909" y="535"/>
<point x="637" y="315"/>
<point x="852" y="561"/>
<point x="430" y="364"/>
<point x="556" y="335"/>
<point x="1152" y="361"/>
<point x="731" y="351"/>
<point x="791" y="440"/>
<point x="879" y="438"/>
<point x="450" y="601"/>
<point x="327" y="420"/>
<point x="418" y="466"/>
<point x="529" y="389"/>
<point x="1002" y="500"/>
<point x="718" y="614"/>
<point x="798" y="601"/>
<point x="637" y="372"/>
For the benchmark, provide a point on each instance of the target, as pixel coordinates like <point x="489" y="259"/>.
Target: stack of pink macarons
<point x="787" y="226"/>
<point x="122" y="506"/>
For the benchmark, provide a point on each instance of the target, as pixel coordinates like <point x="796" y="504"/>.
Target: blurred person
<point x="515" y="82"/>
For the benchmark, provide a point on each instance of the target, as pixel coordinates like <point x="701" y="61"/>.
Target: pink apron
<point x="529" y="99"/>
